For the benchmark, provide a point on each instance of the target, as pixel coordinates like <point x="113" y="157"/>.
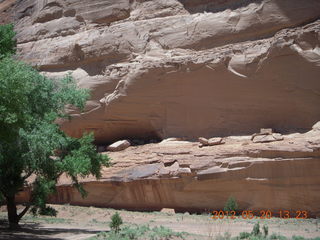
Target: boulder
<point x="266" y="131"/>
<point x="266" y="135"/>
<point x="265" y="138"/>
<point x="184" y="171"/>
<point x="316" y="127"/>
<point x="174" y="142"/>
<point x="168" y="211"/>
<point x="215" y="141"/>
<point x="210" y="142"/>
<point x="203" y="141"/>
<point x="119" y="146"/>
<point x="170" y="140"/>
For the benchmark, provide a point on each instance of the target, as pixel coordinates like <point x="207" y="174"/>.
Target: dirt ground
<point x="77" y="223"/>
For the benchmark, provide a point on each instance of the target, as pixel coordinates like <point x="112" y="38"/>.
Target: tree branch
<point x="25" y="210"/>
<point x="27" y="176"/>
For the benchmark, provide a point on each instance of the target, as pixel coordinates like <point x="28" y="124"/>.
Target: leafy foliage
<point x="7" y="42"/>
<point x="231" y="204"/>
<point x="251" y="236"/>
<point x="161" y="232"/>
<point x="28" y="98"/>
<point x="115" y="223"/>
<point x="142" y="232"/>
<point x="256" y="229"/>
<point x="134" y="232"/>
<point x="244" y="235"/>
<point x="275" y="236"/>
<point x="257" y="235"/>
<point x="31" y="143"/>
<point x="265" y="230"/>
<point x="48" y="211"/>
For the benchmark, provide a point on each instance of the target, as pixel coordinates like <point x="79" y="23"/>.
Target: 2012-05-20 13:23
<point x="262" y="214"/>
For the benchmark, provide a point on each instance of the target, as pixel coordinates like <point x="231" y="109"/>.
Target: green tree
<point x="115" y="223"/>
<point x="31" y="143"/>
<point x="231" y="205"/>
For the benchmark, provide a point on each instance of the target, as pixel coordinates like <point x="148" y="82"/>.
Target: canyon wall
<point x="7" y="11"/>
<point x="274" y="176"/>
<point x="188" y="68"/>
<point x="159" y="69"/>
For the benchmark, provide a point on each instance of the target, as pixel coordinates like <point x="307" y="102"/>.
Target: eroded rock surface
<point x="262" y="176"/>
<point x="160" y="69"/>
<point x="6" y="11"/>
<point x="183" y="69"/>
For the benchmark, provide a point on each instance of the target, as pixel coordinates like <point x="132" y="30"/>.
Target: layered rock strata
<point x="188" y="69"/>
<point x="159" y="69"/>
<point x="6" y="11"/>
<point x="282" y="175"/>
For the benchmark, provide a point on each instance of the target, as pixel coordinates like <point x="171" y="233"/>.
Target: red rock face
<point x="159" y="69"/>
<point x="281" y="175"/>
<point x="189" y="69"/>
<point x="6" y="11"/>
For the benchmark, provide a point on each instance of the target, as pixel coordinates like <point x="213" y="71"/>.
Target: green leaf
<point x="7" y="42"/>
<point x="31" y="143"/>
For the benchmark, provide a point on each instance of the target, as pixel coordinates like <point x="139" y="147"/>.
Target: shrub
<point x="256" y="230"/>
<point x="274" y="236"/>
<point x="225" y="236"/>
<point x="244" y="235"/>
<point x="7" y="42"/>
<point x="297" y="238"/>
<point x="231" y="204"/>
<point x="161" y="233"/>
<point x="48" y="211"/>
<point x="265" y="230"/>
<point x="115" y="223"/>
<point x="133" y="233"/>
<point x="259" y="237"/>
<point x="143" y="232"/>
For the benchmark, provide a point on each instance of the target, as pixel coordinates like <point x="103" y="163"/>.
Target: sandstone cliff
<point x="188" y="68"/>
<point x="184" y="68"/>
<point x="6" y="11"/>
<point x="178" y="174"/>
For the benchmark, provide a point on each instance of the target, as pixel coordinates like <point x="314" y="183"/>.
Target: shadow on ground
<point x="37" y="232"/>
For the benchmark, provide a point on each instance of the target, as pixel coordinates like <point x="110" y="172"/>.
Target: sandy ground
<point x="76" y="223"/>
